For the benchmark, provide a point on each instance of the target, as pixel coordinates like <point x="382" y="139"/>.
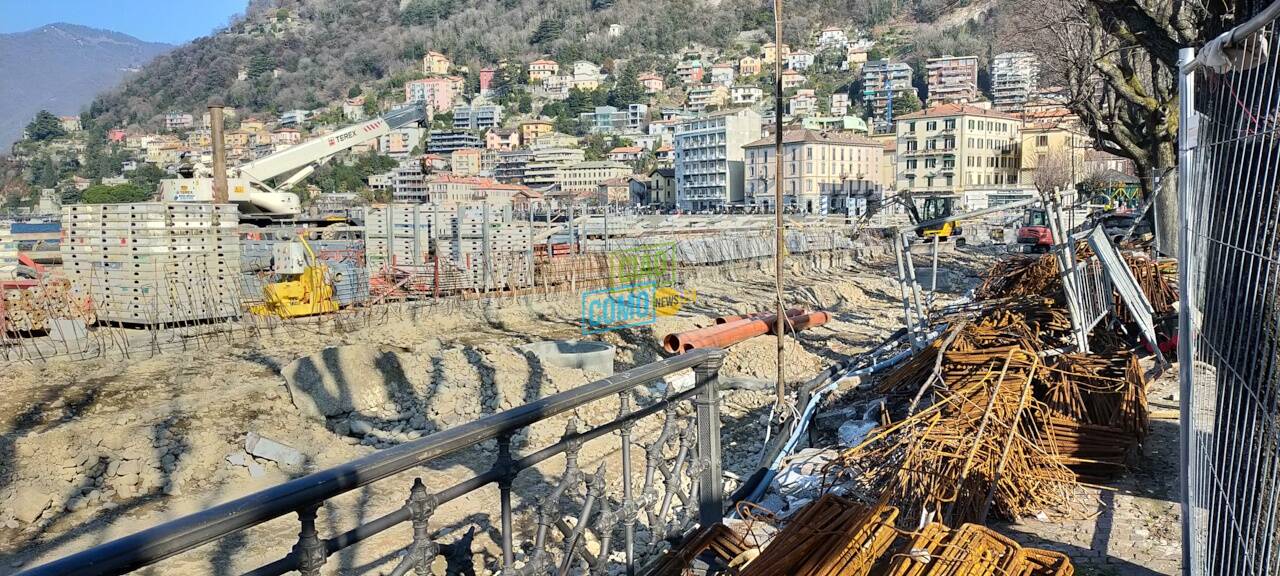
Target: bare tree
<point x="1053" y="171"/>
<point x="1118" y="61"/>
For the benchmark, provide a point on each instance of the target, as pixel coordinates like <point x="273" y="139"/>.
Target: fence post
<point x="711" y="485"/>
<point x="1186" y="335"/>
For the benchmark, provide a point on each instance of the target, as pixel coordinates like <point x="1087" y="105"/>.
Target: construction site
<point x="950" y="404"/>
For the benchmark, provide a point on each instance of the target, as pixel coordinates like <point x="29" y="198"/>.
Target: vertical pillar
<point x="1186" y="271"/>
<point x="219" y="155"/>
<point x="711" y="484"/>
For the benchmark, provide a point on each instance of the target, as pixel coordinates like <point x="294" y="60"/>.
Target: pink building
<point x="486" y="78"/>
<point x="437" y="92"/>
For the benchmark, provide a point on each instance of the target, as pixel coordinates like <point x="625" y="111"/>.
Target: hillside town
<point x="692" y="138"/>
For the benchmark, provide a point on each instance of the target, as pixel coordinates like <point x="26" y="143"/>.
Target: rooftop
<point x="942" y="110"/>
<point x="806" y="135"/>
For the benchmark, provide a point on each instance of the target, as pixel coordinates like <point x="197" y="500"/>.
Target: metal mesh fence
<point x="1229" y="312"/>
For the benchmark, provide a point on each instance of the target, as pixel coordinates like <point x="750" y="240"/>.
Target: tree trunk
<point x="1164" y="215"/>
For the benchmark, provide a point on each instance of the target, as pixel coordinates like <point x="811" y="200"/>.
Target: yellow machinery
<point x="308" y="293"/>
<point x="934" y="208"/>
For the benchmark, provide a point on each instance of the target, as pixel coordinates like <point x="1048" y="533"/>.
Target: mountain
<point x="61" y="68"/>
<point x="286" y="54"/>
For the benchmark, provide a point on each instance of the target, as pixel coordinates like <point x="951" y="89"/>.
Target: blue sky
<point x="172" y="21"/>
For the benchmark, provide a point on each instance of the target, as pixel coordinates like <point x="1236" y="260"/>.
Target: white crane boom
<point x="248" y="184"/>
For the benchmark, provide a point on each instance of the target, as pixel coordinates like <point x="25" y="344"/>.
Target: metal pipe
<point x="159" y="542"/>
<point x="1186" y="338"/>
<point x="779" y="235"/>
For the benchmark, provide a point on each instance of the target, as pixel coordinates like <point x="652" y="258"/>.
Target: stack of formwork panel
<point x="401" y="234"/>
<point x="8" y="252"/>
<point x="154" y="263"/>
<point x="477" y="233"/>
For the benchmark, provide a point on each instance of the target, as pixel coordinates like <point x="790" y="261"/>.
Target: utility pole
<point x="219" y="155"/>
<point x="779" y="247"/>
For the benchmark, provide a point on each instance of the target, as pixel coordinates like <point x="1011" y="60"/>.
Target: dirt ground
<point x="94" y="450"/>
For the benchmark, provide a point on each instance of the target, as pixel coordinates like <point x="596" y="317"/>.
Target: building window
<point x="930" y="162"/>
<point x="911" y="164"/>
<point x="1042" y="140"/>
<point x="949" y="124"/>
<point x="931" y="126"/>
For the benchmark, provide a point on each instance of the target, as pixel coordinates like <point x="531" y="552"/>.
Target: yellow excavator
<point x="308" y="292"/>
<point x="933" y="207"/>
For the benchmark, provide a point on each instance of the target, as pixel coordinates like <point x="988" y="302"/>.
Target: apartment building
<point x="749" y="66"/>
<point x="444" y="142"/>
<point x="585" y="177"/>
<point x="512" y="165"/>
<point x="479" y="115"/>
<point x="821" y="170"/>
<point x="702" y="97"/>
<point x="1053" y="154"/>
<point x="465" y="161"/>
<point x="952" y="79"/>
<point x="435" y="93"/>
<point x="399" y="143"/>
<point x="769" y="52"/>
<point x="540" y="70"/>
<point x="408" y="182"/>
<point x="690" y="71"/>
<point x="435" y="63"/>
<point x="722" y="74"/>
<point x="178" y="121"/>
<point x="804" y="103"/>
<point x="530" y="130"/>
<point x="652" y="83"/>
<point x="840" y="103"/>
<point x="792" y="79"/>
<point x="745" y="95"/>
<point x="546" y="163"/>
<point x="883" y="80"/>
<point x="800" y="60"/>
<point x="957" y="149"/>
<point x="709" y="158"/>
<point x="610" y="120"/>
<point x="1013" y="80"/>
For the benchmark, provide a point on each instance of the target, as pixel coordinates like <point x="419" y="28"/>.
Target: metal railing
<point x="681" y="484"/>
<point x="1229" y="348"/>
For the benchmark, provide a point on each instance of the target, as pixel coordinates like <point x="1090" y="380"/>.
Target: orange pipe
<point x="725" y="319"/>
<point x="805" y="321"/>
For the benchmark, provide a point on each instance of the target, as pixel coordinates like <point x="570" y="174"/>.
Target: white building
<point x="832" y="37"/>
<point x="952" y="79"/>
<point x="804" y="103"/>
<point x="479" y="115"/>
<point x="840" y="104"/>
<point x="1013" y="80"/>
<point x="722" y="74"/>
<point x="800" y="60"/>
<point x="709" y="158"/>
<point x="543" y="169"/>
<point x="745" y="95"/>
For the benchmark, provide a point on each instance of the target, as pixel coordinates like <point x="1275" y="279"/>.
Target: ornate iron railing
<point x="681" y="478"/>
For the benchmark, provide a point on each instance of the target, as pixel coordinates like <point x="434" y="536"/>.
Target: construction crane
<point x="249" y="185"/>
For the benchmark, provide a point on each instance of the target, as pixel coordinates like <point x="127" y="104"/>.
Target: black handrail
<point x="176" y="536"/>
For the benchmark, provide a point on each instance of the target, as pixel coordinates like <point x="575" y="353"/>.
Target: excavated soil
<point x="94" y="450"/>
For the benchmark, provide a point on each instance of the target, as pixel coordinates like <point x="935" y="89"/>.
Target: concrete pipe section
<point x="586" y="355"/>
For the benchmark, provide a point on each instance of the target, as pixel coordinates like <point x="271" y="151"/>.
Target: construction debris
<point x="731" y="330"/>
<point x="835" y="536"/>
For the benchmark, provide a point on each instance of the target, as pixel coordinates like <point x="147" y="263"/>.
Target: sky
<point x="172" y="21"/>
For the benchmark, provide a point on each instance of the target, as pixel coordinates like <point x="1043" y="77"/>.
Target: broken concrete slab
<point x="342" y="379"/>
<point x="288" y="458"/>
<point x="29" y="503"/>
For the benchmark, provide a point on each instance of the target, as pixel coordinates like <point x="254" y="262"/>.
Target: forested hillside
<point x="286" y="54"/>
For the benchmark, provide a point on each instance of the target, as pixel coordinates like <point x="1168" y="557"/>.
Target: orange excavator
<point x="1034" y="234"/>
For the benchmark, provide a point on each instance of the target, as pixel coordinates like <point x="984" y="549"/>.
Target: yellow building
<point x="820" y="169"/>
<point x="749" y="66"/>
<point x="435" y="63"/>
<point x="957" y="149"/>
<point x="540" y="70"/>
<point x="465" y="161"/>
<point x="769" y="52"/>
<point x="532" y="129"/>
<point x="1053" y="154"/>
<point x="585" y="177"/>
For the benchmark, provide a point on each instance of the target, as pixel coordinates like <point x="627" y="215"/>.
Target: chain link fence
<point x="1229" y="354"/>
